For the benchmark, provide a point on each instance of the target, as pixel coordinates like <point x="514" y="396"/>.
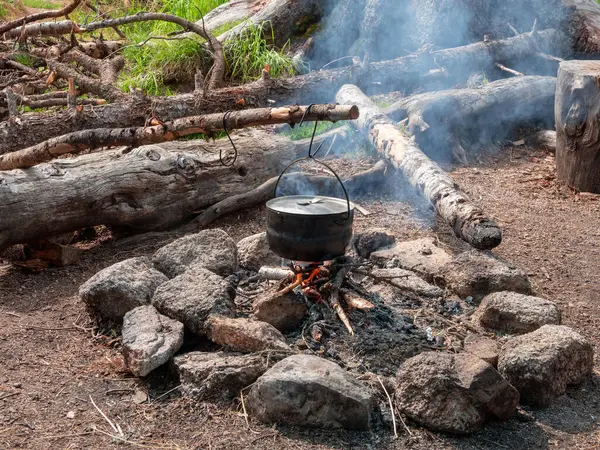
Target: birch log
<point x="467" y="220"/>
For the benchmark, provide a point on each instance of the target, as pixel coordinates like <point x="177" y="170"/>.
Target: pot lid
<point x="309" y="205"/>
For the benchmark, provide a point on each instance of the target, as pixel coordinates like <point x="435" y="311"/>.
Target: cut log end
<point x="483" y="235"/>
<point x="577" y="114"/>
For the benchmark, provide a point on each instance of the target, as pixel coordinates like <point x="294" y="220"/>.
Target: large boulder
<point x="422" y="256"/>
<point x="476" y="274"/>
<point x="310" y="391"/>
<point x="284" y="312"/>
<point x="372" y="240"/>
<point x="149" y="339"/>
<point x="121" y="287"/>
<point x="212" y="249"/>
<point x="516" y="313"/>
<point x="541" y="364"/>
<point x="254" y="252"/>
<point x="194" y="296"/>
<point x="217" y="375"/>
<point x="453" y="393"/>
<point x="245" y="335"/>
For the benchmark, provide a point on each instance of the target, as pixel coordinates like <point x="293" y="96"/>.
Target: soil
<point x="56" y="360"/>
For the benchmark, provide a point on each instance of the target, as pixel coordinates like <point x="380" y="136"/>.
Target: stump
<point x="577" y="113"/>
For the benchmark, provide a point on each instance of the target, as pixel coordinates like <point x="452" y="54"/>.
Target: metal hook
<point x="235" y="152"/>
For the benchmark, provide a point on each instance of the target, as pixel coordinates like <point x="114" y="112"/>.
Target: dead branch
<point x="334" y="298"/>
<point x="466" y="220"/>
<point x="43" y="29"/>
<point x="162" y="132"/>
<point x="106" y="69"/>
<point x="400" y="73"/>
<point x="67" y="9"/>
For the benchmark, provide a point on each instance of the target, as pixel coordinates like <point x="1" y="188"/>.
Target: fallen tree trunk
<point x="365" y="181"/>
<point x="163" y="132"/>
<point x="578" y="125"/>
<point x="401" y="73"/>
<point x="474" y="118"/>
<point x="146" y="188"/>
<point x="466" y="220"/>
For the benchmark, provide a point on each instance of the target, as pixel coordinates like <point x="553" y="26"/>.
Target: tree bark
<point x="584" y="22"/>
<point x="146" y="188"/>
<point x="67" y="9"/>
<point x="164" y="132"/>
<point x="467" y="220"/>
<point x="401" y="73"/>
<point x="577" y="112"/>
<point x="475" y="117"/>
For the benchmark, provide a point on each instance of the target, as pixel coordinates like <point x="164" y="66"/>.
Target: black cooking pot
<point x="309" y="228"/>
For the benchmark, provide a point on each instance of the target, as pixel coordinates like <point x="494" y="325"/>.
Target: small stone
<point x="194" y="295"/>
<point x="254" y="252"/>
<point x="218" y="375"/>
<point x="541" y="364"/>
<point x="482" y="347"/>
<point x="476" y="274"/>
<point x="17" y="385"/>
<point x="149" y="339"/>
<point x="422" y="256"/>
<point x="306" y="390"/>
<point x="212" y="249"/>
<point x="121" y="287"/>
<point x="516" y="313"/>
<point x="407" y="280"/>
<point x="284" y="312"/>
<point x="245" y="335"/>
<point x="453" y="393"/>
<point x="372" y="240"/>
<point x="139" y="397"/>
<point x="71" y="415"/>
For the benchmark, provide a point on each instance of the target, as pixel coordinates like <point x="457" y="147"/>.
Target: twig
<point x="244" y="408"/>
<point x="336" y="60"/>
<point x="11" y="394"/>
<point x="165" y="393"/>
<point x="116" y="429"/>
<point x="509" y="70"/>
<point x="391" y="406"/>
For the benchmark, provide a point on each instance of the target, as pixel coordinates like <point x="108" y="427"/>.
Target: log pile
<point x="497" y="77"/>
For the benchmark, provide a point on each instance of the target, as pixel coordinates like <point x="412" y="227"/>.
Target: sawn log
<point x="466" y="220"/>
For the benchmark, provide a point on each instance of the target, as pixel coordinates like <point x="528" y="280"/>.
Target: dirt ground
<point x="55" y="363"/>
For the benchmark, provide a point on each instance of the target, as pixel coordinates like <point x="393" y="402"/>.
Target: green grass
<point x="24" y="58"/>
<point x="305" y="131"/>
<point x="41" y="4"/>
<point x="248" y="54"/>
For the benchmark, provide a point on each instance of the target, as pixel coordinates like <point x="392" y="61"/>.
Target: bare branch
<point x="162" y="132"/>
<point x="68" y="9"/>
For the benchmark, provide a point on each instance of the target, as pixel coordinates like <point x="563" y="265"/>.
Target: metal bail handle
<point x="323" y="164"/>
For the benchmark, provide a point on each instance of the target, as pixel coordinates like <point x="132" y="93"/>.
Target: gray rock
<point x="310" y="391"/>
<point x="372" y="240"/>
<point x="218" y="375"/>
<point x="482" y="347"/>
<point x="285" y="312"/>
<point x="149" y="339"/>
<point x="516" y="313"/>
<point x="541" y="364"/>
<point x="212" y="249"/>
<point x="422" y="256"/>
<point x="407" y="280"/>
<point x="193" y="296"/>
<point x="453" y="393"/>
<point x="254" y="253"/>
<point x="476" y="274"/>
<point x="121" y="287"/>
<point x="245" y="335"/>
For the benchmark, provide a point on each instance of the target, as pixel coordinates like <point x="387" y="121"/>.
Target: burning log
<point x="163" y="132"/>
<point x="400" y="73"/>
<point x="440" y="120"/>
<point x="577" y="125"/>
<point x="466" y="220"/>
